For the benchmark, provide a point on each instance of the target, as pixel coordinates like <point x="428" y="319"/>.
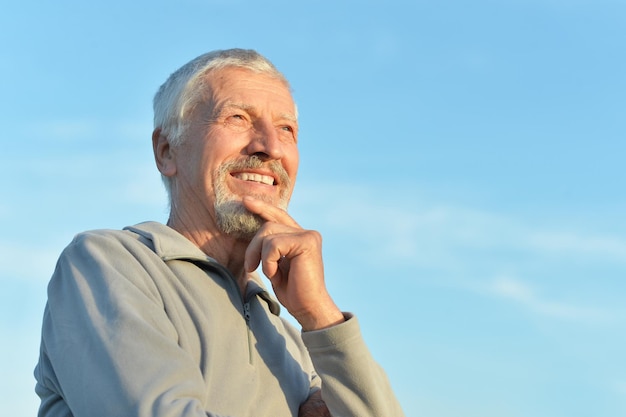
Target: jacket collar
<point x="170" y="245"/>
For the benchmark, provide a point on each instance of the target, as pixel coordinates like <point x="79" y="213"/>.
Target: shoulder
<point x="102" y="236"/>
<point x="106" y="252"/>
<point x="106" y="243"/>
<point x="103" y="261"/>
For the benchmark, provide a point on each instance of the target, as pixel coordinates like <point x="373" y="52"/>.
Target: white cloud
<point x="81" y="129"/>
<point x="463" y="247"/>
<point x="619" y="387"/>
<point x="405" y="226"/>
<point x="28" y="262"/>
<point x="511" y="288"/>
<point x="526" y="296"/>
<point x="64" y="129"/>
<point x="572" y="243"/>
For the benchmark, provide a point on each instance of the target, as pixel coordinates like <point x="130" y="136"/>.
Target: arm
<point x="352" y="383"/>
<point x="108" y="347"/>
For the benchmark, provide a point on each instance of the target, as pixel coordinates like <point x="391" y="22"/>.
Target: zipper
<point x="246" y="312"/>
<point x="245" y="299"/>
<point x="251" y="294"/>
<point x="246" y="315"/>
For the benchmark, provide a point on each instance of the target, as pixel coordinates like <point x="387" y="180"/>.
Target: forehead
<point x="247" y="88"/>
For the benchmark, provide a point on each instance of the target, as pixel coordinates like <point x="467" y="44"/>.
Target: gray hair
<point x="184" y="88"/>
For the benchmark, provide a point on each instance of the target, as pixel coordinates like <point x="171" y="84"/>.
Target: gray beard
<point x="232" y="217"/>
<point x="235" y="220"/>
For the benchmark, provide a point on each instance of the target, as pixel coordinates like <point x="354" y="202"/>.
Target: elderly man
<point x="172" y="320"/>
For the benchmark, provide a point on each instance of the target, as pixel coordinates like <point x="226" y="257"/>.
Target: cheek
<point x="198" y="170"/>
<point x="291" y="162"/>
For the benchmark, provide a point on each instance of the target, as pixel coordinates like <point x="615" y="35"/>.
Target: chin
<point x="234" y="220"/>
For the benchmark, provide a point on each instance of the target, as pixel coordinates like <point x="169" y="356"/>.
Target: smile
<point x="247" y="176"/>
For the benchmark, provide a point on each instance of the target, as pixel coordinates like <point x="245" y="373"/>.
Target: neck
<point x="227" y="250"/>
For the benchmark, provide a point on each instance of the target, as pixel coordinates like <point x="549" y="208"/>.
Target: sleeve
<point x="108" y="347"/>
<point x="353" y="384"/>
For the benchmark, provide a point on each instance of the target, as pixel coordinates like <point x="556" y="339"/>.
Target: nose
<point x="265" y="142"/>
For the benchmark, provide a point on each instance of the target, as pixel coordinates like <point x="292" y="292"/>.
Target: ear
<point x="163" y="155"/>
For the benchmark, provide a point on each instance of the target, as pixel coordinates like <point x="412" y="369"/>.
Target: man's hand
<point x="314" y="406"/>
<point x="291" y="258"/>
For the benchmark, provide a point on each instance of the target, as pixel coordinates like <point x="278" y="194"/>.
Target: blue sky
<point x="463" y="161"/>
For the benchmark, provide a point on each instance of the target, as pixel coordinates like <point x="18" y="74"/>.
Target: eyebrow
<point x="250" y="108"/>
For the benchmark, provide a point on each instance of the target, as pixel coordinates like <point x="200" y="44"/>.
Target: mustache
<point x="254" y="162"/>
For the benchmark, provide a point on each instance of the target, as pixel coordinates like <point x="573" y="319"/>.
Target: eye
<point x="287" y="132"/>
<point x="237" y="121"/>
<point x="238" y="118"/>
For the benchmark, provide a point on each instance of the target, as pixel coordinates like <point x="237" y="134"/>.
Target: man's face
<point x="241" y="140"/>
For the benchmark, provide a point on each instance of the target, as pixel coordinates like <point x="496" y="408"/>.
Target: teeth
<point x="263" y="179"/>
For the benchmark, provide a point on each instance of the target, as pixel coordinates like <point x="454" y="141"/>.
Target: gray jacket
<point x="141" y="322"/>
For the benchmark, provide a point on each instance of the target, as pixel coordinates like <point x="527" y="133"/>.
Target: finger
<point x="268" y="211"/>
<point x="254" y="252"/>
<point x="271" y="255"/>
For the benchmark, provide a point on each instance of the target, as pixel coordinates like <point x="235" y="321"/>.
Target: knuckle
<point x="271" y="245"/>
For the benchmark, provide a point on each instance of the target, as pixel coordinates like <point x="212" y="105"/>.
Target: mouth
<point x="255" y="177"/>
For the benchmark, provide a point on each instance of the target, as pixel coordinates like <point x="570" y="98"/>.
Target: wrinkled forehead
<point x="235" y="76"/>
<point x="239" y="85"/>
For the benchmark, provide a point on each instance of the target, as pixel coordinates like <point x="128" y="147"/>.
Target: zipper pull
<point x="246" y="311"/>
